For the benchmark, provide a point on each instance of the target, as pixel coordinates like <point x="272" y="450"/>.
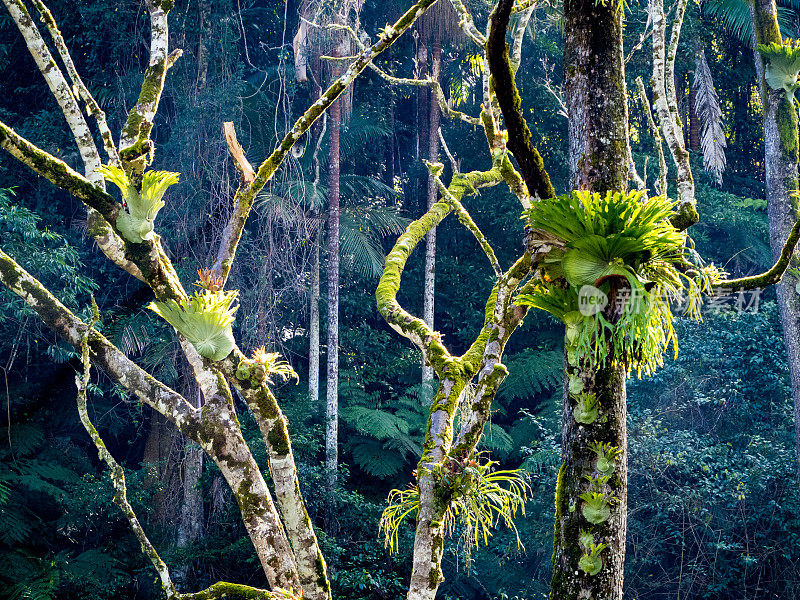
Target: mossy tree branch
<point x="465" y="218"/>
<point x="664" y="103"/>
<point x="250" y="378"/>
<point x="117" y="473"/>
<point x="501" y="320"/>
<point x="215" y="428"/>
<point x="107" y="356"/>
<point x="243" y="200"/>
<point x="505" y="88"/>
<point x="77" y="83"/>
<point x="769" y="277"/>
<point x="135" y="145"/>
<point x="662" y="162"/>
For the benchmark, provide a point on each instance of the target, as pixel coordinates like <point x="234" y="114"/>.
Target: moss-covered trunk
<point x="781" y="157"/>
<point x="591" y="494"/>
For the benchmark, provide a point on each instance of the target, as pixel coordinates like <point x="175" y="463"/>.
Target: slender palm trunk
<point x="780" y="158"/>
<point x="422" y="97"/>
<point x="430" y="239"/>
<point x="332" y="382"/>
<point x="598" y="150"/>
<point x="313" y="323"/>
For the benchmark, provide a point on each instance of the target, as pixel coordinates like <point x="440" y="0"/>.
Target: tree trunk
<point x="332" y="382"/>
<point x="598" y="150"/>
<point x="313" y="325"/>
<point x="780" y="158"/>
<point x="694" y="125"/>
<point x="423" y="96"/>
<point x="430" y="239"/>
<point x="190" y="526"/>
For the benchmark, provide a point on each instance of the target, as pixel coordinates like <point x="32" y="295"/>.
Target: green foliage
<point x="532" y="371"/>
<point x="140" y="207"/>
<point x="596" y="508"/>
<point x="617" y="239"/>
<point x="386" y="439"/>
<point x="205" y="319"/>
<point x="783" y="65"/>
<point x="590" y="561"/>
<point x="586" y="408"/>
<point x="473" y="495"/>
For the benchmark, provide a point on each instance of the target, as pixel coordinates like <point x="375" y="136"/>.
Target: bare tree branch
<point x="77" y="83"/>
<point x="661" y="188"/>
<point x="244" y="198"/>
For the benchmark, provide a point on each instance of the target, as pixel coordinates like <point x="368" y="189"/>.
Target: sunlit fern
<point x="617" y="236"/>
<point x="475" y="497"/>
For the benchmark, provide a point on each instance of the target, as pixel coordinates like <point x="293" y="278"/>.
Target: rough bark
<point x="598" y="153"/>
<point x="313" y="323"/>
<point x="274" y="427"/>
<point x="666" y="107"/>
<point x="595" y="95"/>
<point x="332" y="379"/>
<point x="781" y="158"/>
<point x="429" y="287"/>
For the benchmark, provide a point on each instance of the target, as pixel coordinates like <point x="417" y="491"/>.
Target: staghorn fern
<point x="135" y="222"/>
<point x="616" y="237"/>
<point x="783" y="65"/>
<point x="204" y="319"/>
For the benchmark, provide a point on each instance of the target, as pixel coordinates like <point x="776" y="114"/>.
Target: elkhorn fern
<point x="204" y="319"/>
<point x="633" y="260"/>
<point x="135" y="221"/>
<point x="783" y="66"/>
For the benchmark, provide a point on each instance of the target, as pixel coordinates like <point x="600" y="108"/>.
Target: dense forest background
<point x="714" y="505"/>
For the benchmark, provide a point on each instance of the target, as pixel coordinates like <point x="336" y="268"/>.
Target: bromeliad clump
<point x="136" y="220"/>
<point x="263" y="366"/>
<point x="205" y="319"/>
<point x="615" y="265"/>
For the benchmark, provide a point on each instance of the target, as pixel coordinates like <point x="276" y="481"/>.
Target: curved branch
<point x="244" y="198"/>
<point x="415" y="329"/>
<point x="770" y="277"/>
<point x="505" y="88"/>
<point x="465" y="218"/>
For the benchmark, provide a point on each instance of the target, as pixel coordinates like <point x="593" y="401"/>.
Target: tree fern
<point x="530" y="372"/>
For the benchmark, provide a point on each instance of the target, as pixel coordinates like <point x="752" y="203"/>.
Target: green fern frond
<point x="204" y="319"/>
<point x="531" y="372"/>
<point x="135" y="222"/>
<point x="783" y="65"/>
<point x="477" y="497"/>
